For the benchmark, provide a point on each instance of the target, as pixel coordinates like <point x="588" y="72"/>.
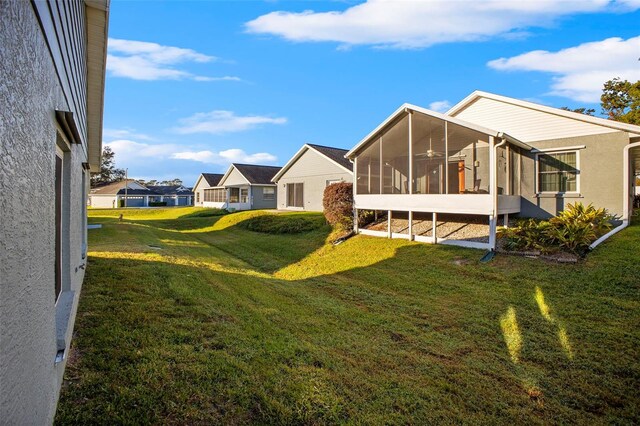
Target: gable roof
<point x="607" y="125"/>
<point x="254" y="174"/>
<point x="336" y="155"/>
<point x="118" y="188"/>
<point x="213" y="179"/>
<point x="406" y="108"/>
<point x="170" y="189"/>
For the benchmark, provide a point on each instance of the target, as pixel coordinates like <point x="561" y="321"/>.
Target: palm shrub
<point x="572" y="230"/>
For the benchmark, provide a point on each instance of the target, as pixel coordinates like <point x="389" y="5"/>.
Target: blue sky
<point x="194" y="86"/>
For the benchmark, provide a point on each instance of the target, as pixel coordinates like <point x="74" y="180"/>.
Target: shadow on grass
<point x="415" y="337"/>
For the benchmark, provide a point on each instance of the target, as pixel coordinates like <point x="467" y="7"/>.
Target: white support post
<point x="410" y="189"/>
<point x="446" y="158"/>
<point x="493" y="220"/>
<point x="505" y="220"/>
<point x="146" y="201"/>
<point x="389" y="223"/>
<point x="434" y="227"/>
<point x="410" y="226"/>
<point x="355" y="220"/>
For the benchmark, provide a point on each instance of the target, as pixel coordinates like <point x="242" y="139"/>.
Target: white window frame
<point x="575" y="150"/>
<point x="269" y="196"/>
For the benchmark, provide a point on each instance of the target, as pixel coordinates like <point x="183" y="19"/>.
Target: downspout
<point x="626" y="177"/>
<point x="494" y="192"/>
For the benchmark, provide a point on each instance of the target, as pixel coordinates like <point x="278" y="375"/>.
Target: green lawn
<point x="224" y="325"/>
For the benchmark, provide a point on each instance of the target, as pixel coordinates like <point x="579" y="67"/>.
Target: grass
<point x="225" y="325"/>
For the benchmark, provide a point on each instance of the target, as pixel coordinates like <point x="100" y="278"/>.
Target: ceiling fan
<point x="430" y="152"/>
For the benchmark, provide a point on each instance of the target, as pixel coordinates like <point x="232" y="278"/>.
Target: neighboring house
<point x="488" y="156"/>
<point x="52" y="72"/>
<point x="215" y="196"/>
<point x="301" y="182"/>
<point x="173" y="195"/>
<point x="130" y="193"/>
<point x="242" y="187"/>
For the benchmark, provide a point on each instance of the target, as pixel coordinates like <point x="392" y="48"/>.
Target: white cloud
<point x="416" y="24"/>
<point x="579" y="72"/>
<point x="124" y="134"/>
<point x="440" y="106"/>
<point x="216" y="122"/>
<point x="228" y="156"/>
<point x="128" y="148"/>
<point x="139" y="155"/>
<point x="142" y="60"/>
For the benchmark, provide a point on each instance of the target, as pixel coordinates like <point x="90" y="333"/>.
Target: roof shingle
<point x="257" y="175"/>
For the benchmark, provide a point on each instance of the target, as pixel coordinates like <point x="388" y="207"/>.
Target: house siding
<point x="31" y="89"/>
<point x="313" y="170"/>
<point x="601" y="168"/>
<point x="235" y="178"/>
<point x="258" y="201"/>
<point x="526" y="124"/>
<point x="199" y="189"/>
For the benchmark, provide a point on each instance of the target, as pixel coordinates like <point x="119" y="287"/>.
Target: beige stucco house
<point x="52" y="70"/>
<point x="487" y="158"/>
<point x="242" y="187"/>
<point x="301" y="182"/>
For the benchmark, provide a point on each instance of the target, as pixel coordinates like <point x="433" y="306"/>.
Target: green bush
<point x="207" y="212"/>
<point x="572" y="230"/>
<point x="281" y="224"/>
<point x="157" y="203"/>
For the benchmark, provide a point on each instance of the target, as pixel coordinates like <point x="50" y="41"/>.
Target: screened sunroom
<point x="419" y="161"/>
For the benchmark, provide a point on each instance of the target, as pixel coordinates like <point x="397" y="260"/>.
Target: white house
<point x="302" y="181"/>
<point x="242" y="187"/>
<point x="490" y="156"/>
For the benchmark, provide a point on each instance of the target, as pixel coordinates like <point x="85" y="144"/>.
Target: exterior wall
<point x="239" y="206"/>
<point x="600" y="181"/>
<point x="103" y="201"/>
<point x="526" y="124"/>
<point x="313" y="170"/>
<point x="257" y="198"/>
<point x="235" y="178"/>
<point x="31" y="325"/>
<point x="199" y="189"/>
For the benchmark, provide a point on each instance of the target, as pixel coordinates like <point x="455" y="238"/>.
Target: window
<point x="234" y="195"/>
<point x="244" y="195"/>
<point x="269" y="193"/>
<point x="197" y="197"/>
<point x="558" y="172"/>
<point x="216" y="195"/>
<point x="294" y="195"/>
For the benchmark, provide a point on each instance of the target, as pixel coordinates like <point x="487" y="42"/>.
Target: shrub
<point x="338" y="204"/>
<point x="157" y="203"/>
<point x="281" y="224"/>
<point x="572" y="230"/>
<point x="207" y="212"/>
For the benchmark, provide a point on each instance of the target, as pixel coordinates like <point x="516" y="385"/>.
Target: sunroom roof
<point x="405" y="108"/>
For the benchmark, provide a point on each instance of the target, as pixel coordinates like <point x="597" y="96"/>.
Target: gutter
<point x="626" y="176"/>
<point x="494" y="193"/>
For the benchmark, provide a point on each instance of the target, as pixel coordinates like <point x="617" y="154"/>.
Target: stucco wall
<point x="30" y="92"/>
<point x="600" y="175"/>
<point x="314" y="170"/>
<point x="103" y="201"/>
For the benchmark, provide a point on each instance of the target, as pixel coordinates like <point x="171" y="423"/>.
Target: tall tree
<point x="108" y="172"/>
<point x="621" y="100"/>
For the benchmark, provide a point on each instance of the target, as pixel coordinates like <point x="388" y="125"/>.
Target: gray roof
<point x="118" y="188"/>
<point x="336" y="154"/>
<point x="170" y="189"/>
<point x="213" y="179"/>
<point x="257" y="175"/>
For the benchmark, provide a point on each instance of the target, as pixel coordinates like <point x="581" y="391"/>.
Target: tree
<point x="620" y="100"/>
<point x="585" y="111"/>
<point x="108" y="172"/>
<point x="175" y="181"/>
